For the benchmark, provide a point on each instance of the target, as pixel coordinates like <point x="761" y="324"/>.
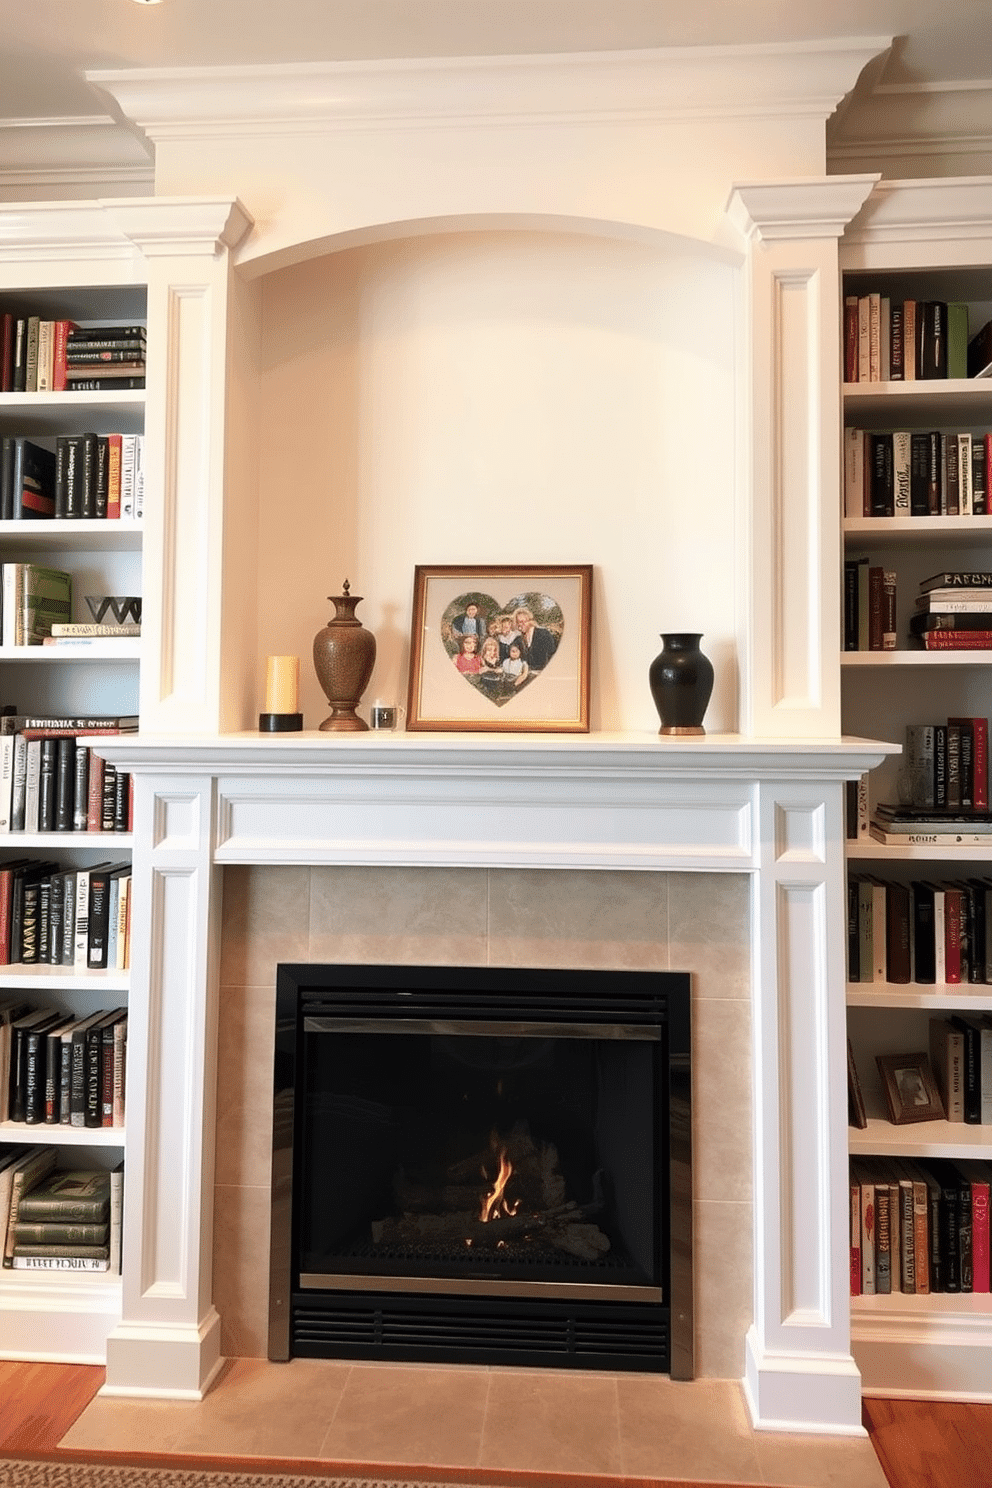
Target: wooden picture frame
<point x="910" y="1089"/>
<point x="856" y="1113"/>
<point x="498" y="649"/>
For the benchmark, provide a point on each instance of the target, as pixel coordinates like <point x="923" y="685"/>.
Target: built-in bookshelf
<point x="67" y="1313"/>
<point x="925" y="260"/>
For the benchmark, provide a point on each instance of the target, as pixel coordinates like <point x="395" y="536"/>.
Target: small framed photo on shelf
<point x="856" y="1113"/>
<point x="500" y="649"/>
<point x="910" y="1090"/>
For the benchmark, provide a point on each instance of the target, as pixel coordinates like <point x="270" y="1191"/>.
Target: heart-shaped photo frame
<point x="500" y="648"/>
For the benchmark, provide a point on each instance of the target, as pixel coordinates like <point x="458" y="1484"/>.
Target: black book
<point x="80" y="786"/>
<point x="99" y="912"/>
<point x="935" y="486"/>
<point x="44" y="917"/>
<point x="78" y="1068"/>
<point x="924" y="949"/>
<point x="32" y="481"/>
<point x="919" y="474"/>
<point x="93" y="1112"/>
<point x="53" y="948"/>
<point x="19" y="1029"/>
<point x="931" y="320"/>
<point x="20" y="369"/>
<point x="948" y="1239"/>
<point x="46" y="785"/>
<point x="109" y="795"/>
<point x="979" y="478"/>
<point x="35" y="1063"/>
<point x="75" y="473"/>
<point x="972" y="1068"/>
<point x="97" y="336"/>
<point x="851" y="605"/>
<point x="53" y="1071"/>
<point x="881" y="479"/>
<point x="853" y="933"/>
<point x="6" y="477"/>
<point x="122" y="800"/>
<point x="65" y="783"/>
<point x="941" y="799"/>
<point x="101" y="484"/>
<point x="106" y="384"/>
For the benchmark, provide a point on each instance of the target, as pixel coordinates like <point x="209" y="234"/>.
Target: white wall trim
<point x="772" y="81"/>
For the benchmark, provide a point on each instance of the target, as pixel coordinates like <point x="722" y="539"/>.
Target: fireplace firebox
<point x="482" y="1164"/>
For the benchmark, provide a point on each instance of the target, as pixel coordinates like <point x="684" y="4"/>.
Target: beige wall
<point x="639" y="921"/>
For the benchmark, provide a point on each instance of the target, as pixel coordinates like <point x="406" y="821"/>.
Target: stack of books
<point x="53" y="780"/>
<point x="98" y="358"/>
<point x="57" y="1220"/>
<point x="953" y="613"/>
<point x="931" y="932"/>
<point x="943" y="786"/>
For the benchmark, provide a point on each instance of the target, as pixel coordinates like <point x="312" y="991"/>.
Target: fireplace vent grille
<point x="432" y="1329"/>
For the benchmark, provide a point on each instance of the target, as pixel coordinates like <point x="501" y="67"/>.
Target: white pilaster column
<point x="168" y="1339"/>
<point x="187" y="245"/>
<point x="800" y="1375"/>
<point x="790" y="605"/>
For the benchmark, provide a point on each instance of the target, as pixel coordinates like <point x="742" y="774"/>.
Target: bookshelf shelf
<point x="38" y="1134"/>
<point x="916" y="658"/>
<point x="54" y="978"/>
<point x="87" y="534"/>
<point x="879" y="852"/>
<point x="948" y="997"/>
<point x="953" y="399"/>
<point x="906" y="532"/>
<point x="881" y="1138"/>
<point x="128" y="649"/>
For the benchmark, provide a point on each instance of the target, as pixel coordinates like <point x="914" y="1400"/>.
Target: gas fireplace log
<point x="416" y="1228"/>
<point x="583" y="1240"/>
<point x="428" y="1198"/>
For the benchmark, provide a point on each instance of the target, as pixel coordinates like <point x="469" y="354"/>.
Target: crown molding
<point x="940" y="209"/>
<point x="769" y="81"/>
<point x="62" y="156"/>
<point x="898" y="122"/>
<point x="124" y="228"/>
<point x="786" y="210"/>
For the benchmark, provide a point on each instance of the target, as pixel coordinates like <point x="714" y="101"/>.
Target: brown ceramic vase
<point x="343" y="658"/>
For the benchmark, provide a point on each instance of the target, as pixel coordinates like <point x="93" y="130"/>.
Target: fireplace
<point x="485" y="1164"/>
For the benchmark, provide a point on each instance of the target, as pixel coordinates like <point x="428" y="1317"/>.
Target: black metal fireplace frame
<point x="442" y="1325"/>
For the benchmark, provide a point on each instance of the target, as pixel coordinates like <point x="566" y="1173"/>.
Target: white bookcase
<point x="920" y="240"/>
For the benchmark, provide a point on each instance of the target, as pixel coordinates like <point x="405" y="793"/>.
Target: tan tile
<point x="262" y="923"/>
<point x="241" y="1269"/>
<point x="721" y="1082"/>
<point x="420" y="916"/>
<point x="711" y="932"/>
<point x="113" y="1425"/>
<point x="245" y="1041"/>
<point x="552" y="1421"/>
<point x="550" y="918"/>
<point x="669" y="1428"/>
<point x="268" y="1410"/>
<point x="724" y="1306"/>
<point x="818" y="1461"/>
<point x="419" y="1415"/>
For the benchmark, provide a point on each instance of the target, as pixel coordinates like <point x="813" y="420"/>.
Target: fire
<point x="494" y="1205"/>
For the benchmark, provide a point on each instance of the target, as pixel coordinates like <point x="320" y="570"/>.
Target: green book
<point x="45" y="599"/>
<point x="59" y="1232"/>
<point x="79" y="1196"/>
<point x="957" y="340"/>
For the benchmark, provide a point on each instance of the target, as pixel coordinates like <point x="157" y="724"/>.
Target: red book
<point x="979" y="728"/>
<point x="851" y="338"/>
<point x="94" y="805"/>
<point x="113" y="476"/>
<point x="976" y="1172"/>
<point x="957" y="640"/>
<point x="60" y="336"/>
<point x="952" y="933"/>
<point x="6" y="352"/>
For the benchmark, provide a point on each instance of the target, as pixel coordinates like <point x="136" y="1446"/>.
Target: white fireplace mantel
<point x="771" y="808"/>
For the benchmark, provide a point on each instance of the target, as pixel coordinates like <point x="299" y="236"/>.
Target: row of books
<point x="72" y="476"/>
<point x="919" y="1226"/>
<point x="916" y="473"/>
<point x="78" y="917"/>
<point x="54" y="1219"/>
<point x="893" y="339"/>
<point x="53" y="780"/>
<point x="944" y="774"/>
<point x="870" y="595"/>
<point x="60" y="1070"/>
<point x="953" y="612"/>
<point x="929" y="932"/>
<point x="44" y="356"/>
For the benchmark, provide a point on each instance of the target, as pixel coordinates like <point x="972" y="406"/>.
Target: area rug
<point x="66" y="1473"/>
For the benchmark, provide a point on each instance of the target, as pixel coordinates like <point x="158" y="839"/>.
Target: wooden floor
<point x="919" y="1444"/>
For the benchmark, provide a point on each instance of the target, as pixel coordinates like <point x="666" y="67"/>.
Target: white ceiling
<point x="48" y="45"/>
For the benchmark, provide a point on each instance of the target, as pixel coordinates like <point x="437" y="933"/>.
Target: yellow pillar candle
<point x="282" y="684"/>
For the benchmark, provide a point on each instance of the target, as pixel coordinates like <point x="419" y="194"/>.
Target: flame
<point x="494" y="1205"/>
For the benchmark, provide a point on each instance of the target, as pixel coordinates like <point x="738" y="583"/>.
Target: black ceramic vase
<point x="681" y="680"/>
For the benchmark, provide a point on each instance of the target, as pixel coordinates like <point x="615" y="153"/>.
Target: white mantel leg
<point x="800" y="1375"/>
<point x="168" y="1340"/>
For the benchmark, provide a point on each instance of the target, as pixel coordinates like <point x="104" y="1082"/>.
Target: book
<point x="116" y="1217"/>
<point x="957" y="579"/>
<point x="84" y="628"/>
<point x="947" y="1061"/>
<point x="32" y="481"/>
<point x="27" y="1173"/>
<point x="978" y="1175"/>
<point x="80" y="1196"/>
<point x="856" y="1114"/>
<point x="919" y="836"/>
<point x="972" y="1070"/>
<point x="979" y="362"/>
<point x="49" y="1260"/>
<point x="855" y="1215"/>
<point x="75" y="475"/>
<point x="44" y="597"/>
<point x="57" y="1232"/>
<point x="953" y="640"/>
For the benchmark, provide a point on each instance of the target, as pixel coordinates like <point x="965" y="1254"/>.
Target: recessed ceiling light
<point x="148" y="2"/>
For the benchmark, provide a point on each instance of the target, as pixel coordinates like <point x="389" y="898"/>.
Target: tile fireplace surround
<point x="722" y="858"/>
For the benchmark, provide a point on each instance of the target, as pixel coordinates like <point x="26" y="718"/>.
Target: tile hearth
<point x="551" y="1421"/>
